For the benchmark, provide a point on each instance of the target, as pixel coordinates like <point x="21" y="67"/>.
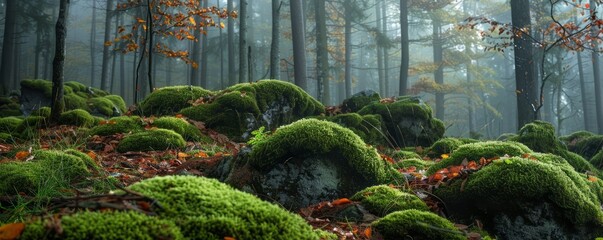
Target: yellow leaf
<point x="444" y="156"/>
<point x="221" y="25"/>
<point x="140" y="20"/>
<point x="108" y="43"/>
<point x="182" y="155"/>
<point x="192" y="20"/>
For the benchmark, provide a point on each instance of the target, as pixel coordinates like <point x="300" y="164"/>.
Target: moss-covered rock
<point x="115" y="125"/>
<point x="443" y="146"/>
<point x="104" y="106"/>
<point x="540" y="196"/>
<point x="207" y="209"/>
<point x="77" y="117"/>
<point x="104" y="225"/>
<point x="573" y="138"/>
<point x="589" y="146"/>
<point x="9" y="107"/>
<point x="475" y="151"/>
<point x="360" y="100"/>
<point x="242" y="108"/>
<point x="408" y="121"/>
<point x="506" y="136"/>
<point x="151" y="140"/>
<point x="413" y="162"/>
<point x="170" y="100"/>
<point x="382" y="200"/>
<point x="9" y="124"/>
<point x="368" y="127"/>
<point x="42" y="112"/>
<point x="75" y="101"/>
<point x="182" y="127"/>
<point x="118" y="102"/>
<point x="417" y="225"/>
<point x="402" y="154"/>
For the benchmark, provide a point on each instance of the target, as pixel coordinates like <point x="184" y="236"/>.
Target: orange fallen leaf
<point x="368" y="232"/>
<point x="444" y="156"/>
<point x="341" y="201"/>
<point x="91" y="154"/>
<point x="592" y="179"/>
<point x="21" y="155"/>
<point x="11" y="231"/>
<point x="179" y="115"/>
<point x="229" y="238"/>
<point x="201" y="154"/>
<point x="182" y="155"/>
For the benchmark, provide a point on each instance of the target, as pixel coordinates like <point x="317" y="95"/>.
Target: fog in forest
<point x="470" y="60"/>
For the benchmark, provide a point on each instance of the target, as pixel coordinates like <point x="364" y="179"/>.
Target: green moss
<point x="9" y="124"/>
<point x="44" y="86"/>
<point x="182" y="127"/>
<point x="121" y="124"/>
<point x="589" y="147"/>
<point x="77" y="117"/>
<point x="103" y="106"/>
<point x="506" y="136"/>
<point x="417" y="225"/>
<point x="151" y="140"/>
<point x="414" y="162"/>
<point x="575" y="137"/>
<point x="76" y="86"/>
<point x="88" y="161"/>
<point x="309" y="137"/>
<point x="9" y="107"/>
<point x="402" y="154"/>
<point x="104" y="225"/>
<point x="443" y="146"/>
<point x="6" y="138"/>
<point x="475" y="151"/>
<point x="43" y="112"/>
<point x="117" y="102"/>
<point x="360" y="100"/>
<point x="170" y="100"/>
<point x="368" y="127"/>
<point x="382" y="200"/>
<point x="408" y="121"/>
<point x="207" y="209"/>
<point x="74" y="101"/>
<point x="510" y="185"/>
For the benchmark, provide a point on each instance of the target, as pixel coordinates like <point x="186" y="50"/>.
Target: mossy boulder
<point x="475" y="151"/>
<point x="30" y="126"/>
<point x="170" y="100"/>
<point x="242" y="108"/>
<point x="408" y="121"/>
<point x="103" y="225"/>
<point x="368" y="127"/>
<point x="310" y="161"/>
<point x="403" y="154"/>
<point x="419" y="164"/>
<point x="506" y="136"/>
<point x="540" y="196"/>
<point x="416" y="224"/>
<point x="572" y="139"/>
<point x="9" y="107"/>
<point x="382" y="200"/>
<point x="589" y="146"/>
<point x="182" y="127"/>
<point x="42" y="112"/>
<point x="208" y="209"/>
<point x="9" y="124"/>
<point x="122" y="124"/>
<point x="151" y="140"/>
<point x="359" y="100"/>
<point x="105" y="106"/>
<point x="443" y="146"/>
<point x="49" y="170"/>
<point x="77" y="117"/>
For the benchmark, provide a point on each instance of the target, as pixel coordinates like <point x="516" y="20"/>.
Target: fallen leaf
<point x="341" y="201"/>
<point x="229" y="238"/>
<point x="368" y="232"/>
<point x="21" y="155"/>
<point x="11" y="231"/>
<point x="92" y="155"/>
<point x="592" y="179"/>
<point x="444" y="156"/>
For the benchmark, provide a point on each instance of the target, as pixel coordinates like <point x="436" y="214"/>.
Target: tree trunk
<point x="379" y="48"/>
<point x="597" y="77"/>
<point x="384" y="29"/>
<point x="195" y="77"/>
<point x="231" y="51"/>
<point x="299" y="43"/>
<point x="93" y="46"/>
<point x="7" y="45"/>
<point x="525" y="83"/>
<point x="204" y="53"/>
<point x="106" y="50"/>
<point x="438" y="60"/>
<point x="405" y="58"/>
<point x="57" y="101"/>
<point x="150" y="45"/>
<point x="322" y="57"/>
<point x="275" y="69"/>
<point x="222" y="83"/>
<point x="243" y="41"/>
<point x="585" y="112"/>
<point x="348" y="49"/>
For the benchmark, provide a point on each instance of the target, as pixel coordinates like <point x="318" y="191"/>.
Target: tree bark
<point x="379" y="48"/>
<point x="204" y="53"/>
<point x="384" y="29"/>
<point x="348" y="48"/>
<point x="7" y="45"/>
<point x="93" y="46"/>
<point x="322" y="57"/>
<point x="243" y="64"/>
<point x="231" y="51"/>
<point x="195" y="77"/>
<point x="438" y="60"/>
<point x="525" y="83"/>
<point x="405" y="58"/>
<point x="275" y="69"/>
<point x="57" y="101"/>
<point x="585" y="112"/>
<point x="106" y="50"/>
<point x="597" y="77"/>
<point x="299" y="43"/>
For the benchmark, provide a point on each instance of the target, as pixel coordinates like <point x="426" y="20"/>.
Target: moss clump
<point x="207" y="209"/>
<point x="115" y="125"/>
<point x="48" y="170"/>
<point x="42" y="112"/>
<point x="443" y="146"/>
<point x="402" y="154"/>
<point x="77" y="117"/>
<point x="589" y="147"/>
<point x="104" y="106"/>
<point x="597" y="160"/>
<point x="118" y="102"/>
<point x="9" y="124"/>
<point x="506" y="136"/>
<point x="182" y="127"/>
<point x="475" y="151"/>
<point x="571" y="139"/>
<point x="382" y="200"/>
<point x="76" y="86"/>
<point x="416" y="224"/>
<point x="44" y="86"/>
<point x="408" y="121"/>
<point x="170" y="100"/>
<point x="75" y="101"/>
<point x="104" y="225"/>
<point x="368" y="127"/>
<point x="413" y="162"/>
<point x="310" y="137"/>
<point x="9" y="107"/>
<point x="512" y="185"/>
<point x="360" y="100"/>
<point x="151" y="140"/>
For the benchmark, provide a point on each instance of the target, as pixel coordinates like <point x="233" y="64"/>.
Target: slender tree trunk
<point x="384" y="29"/>
<point x="58" y="103"/>
<point x="597" y="77"/>
<point x="299" y="43"/>
<point x="106" y="50"/>
<point x="38" y="52"/>
<point x="524" y="71"/>
<point x="585" y="112"/>
<point x="348" y="48"/>
<point x="438" y="60"/>
<point x="231" y="50"/>
<point x="379" y="48"/>
<point x="195" y="76"/>
<point x="275" y="69"/>
<point x="8" y="44"/>
<point x="222" y="84"/>
<point x="93" y="46"/>
<point x="322" y="57"/>
<point x="405" y="58"/>
<point x="204" y="53"/>
<point x="243" y="64"/>
<point x="122" y="67"/>
<point x="150" y="45"/>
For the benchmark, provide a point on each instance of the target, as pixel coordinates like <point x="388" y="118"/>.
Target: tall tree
<point x="204" y="53"/>
<point x="597" y="74"/>
<point x="380" y="70"/>
<point x="525" y="83"/>
<point x="57" y="101"/>
<point x="195" y="56"/>
<point x="322" y="57"/>
<point x="299" y="43"/>
<point x="106" y="51"/>
<point x="348" y="17"/>
<point x="231" y="50"/>
<point x="243" y="61"/>
<point x="275" y="70"/>
<point x="8" y="44"/>
<point x="438" y="60"/>
<point x="92" y="46"/>
<point x="404" y="56"/>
